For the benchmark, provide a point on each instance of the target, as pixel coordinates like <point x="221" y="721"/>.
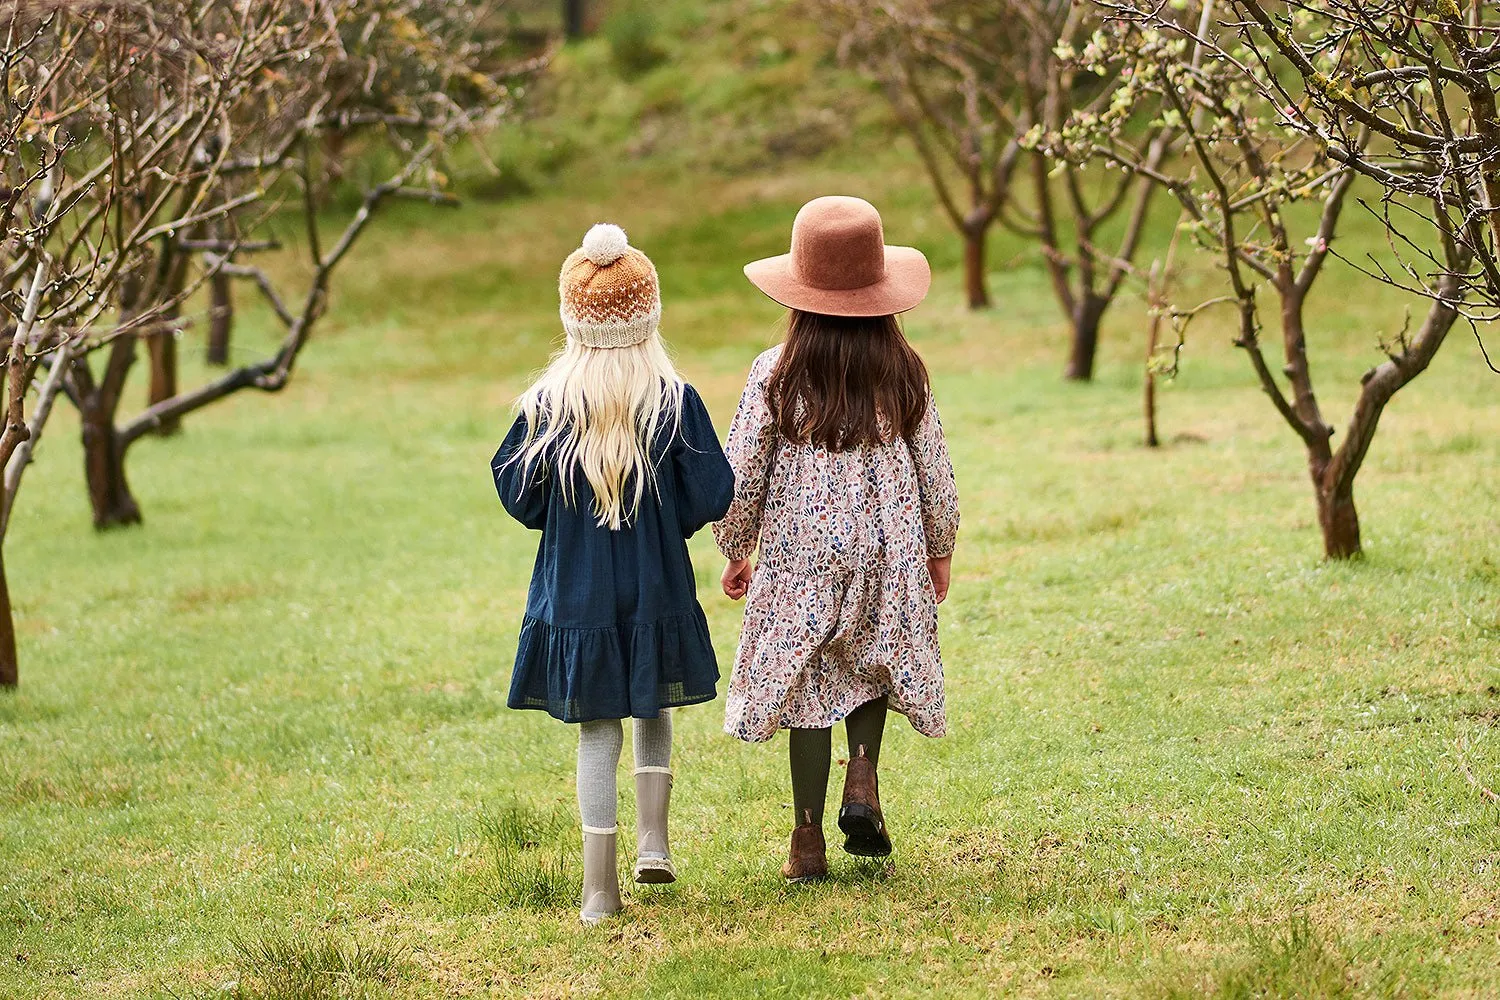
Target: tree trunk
<point x="9" y="666"/>
<point x="1149" y="384"/>
<point x="1339" y="521"/>
<point x="573" y="20"/>
<point x="1152" y="440"/>
<point x="1085" y="321"/>
<point x="975" y="286"/>
<point x="221" y="318"/>
<point x="163" y="350"/>
<point x="104" y="469"/>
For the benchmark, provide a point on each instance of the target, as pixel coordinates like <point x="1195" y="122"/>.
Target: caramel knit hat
<point x="609" y="293"/>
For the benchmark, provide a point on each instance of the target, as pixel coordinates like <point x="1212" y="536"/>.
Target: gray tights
<point x="599" y="746"/>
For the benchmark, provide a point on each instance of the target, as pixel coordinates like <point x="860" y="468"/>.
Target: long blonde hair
<point x="598" y="409"/>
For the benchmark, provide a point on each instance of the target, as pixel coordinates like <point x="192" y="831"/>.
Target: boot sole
<point x="654" y="872"/>
<point x="864" y="835"/>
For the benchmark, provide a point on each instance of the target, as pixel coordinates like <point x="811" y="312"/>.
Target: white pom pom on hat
<point x="604" y="244"/>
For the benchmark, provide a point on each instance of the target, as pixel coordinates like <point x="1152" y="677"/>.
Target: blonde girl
<point x="614" y="460"/>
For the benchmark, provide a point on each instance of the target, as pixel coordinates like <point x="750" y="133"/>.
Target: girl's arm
<point x="524" y="492"/>
<point x="751" y="446"/>
<point x="939" y="491"/>
<point x="705" y="483"/>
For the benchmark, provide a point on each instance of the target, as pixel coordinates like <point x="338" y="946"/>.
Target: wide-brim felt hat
<point x="840" y="265"/>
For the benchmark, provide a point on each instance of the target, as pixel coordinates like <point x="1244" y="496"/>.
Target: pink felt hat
<point x="840" y="265"/>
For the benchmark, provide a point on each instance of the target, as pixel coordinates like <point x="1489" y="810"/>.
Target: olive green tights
<point x="812" y="755"/>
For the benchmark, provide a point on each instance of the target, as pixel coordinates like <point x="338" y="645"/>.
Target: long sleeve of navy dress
<point x="613" y="628"/>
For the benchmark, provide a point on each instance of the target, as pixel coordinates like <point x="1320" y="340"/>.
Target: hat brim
<point x="906" y="281"/>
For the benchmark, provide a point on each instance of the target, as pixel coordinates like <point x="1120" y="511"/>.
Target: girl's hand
<point x="940" y="570"/>
<point x="736" y="579"/>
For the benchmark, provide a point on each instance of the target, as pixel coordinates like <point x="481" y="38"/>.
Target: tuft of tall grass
<point x="536" y="879"/>
<point x="533" y="865"/>
<point x="292" y="966"/>
<point x="518" y="826"/>
<point x="1293" y="959"/>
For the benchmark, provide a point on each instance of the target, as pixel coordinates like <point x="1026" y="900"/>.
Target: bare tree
<point x="1244" y="173"/>
<point x="937" y="64"/>
<point x="974" y="84"/>
<point x="148" y="147"/>
<point x="49" y="280"/>
<point x="248" y="119"/>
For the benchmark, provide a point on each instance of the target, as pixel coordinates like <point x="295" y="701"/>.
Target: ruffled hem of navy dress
<point x="629" y="670"/>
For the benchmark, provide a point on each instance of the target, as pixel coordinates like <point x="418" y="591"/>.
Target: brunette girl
<point x="843" y="484"/>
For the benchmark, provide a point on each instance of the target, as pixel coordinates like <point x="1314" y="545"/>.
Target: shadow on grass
<point x="861" y="871"/>
<point x="843" y="872"/>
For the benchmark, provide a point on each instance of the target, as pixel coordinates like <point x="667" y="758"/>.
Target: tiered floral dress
<point x="840" y="609"/>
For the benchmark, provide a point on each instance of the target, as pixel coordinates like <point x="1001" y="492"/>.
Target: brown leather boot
<point x="860" y="817"/>
<point x="807" y="860"/>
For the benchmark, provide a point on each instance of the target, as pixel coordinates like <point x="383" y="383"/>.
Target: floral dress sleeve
<point x="751" y="448"/>
<point x="939" y="491"/>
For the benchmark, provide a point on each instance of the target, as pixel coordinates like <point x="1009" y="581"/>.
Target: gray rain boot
<point x="601" y="878"/>
<point x="653" y="793"/>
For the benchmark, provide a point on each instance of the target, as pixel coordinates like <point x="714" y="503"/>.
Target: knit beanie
<point x="609" y="292"/>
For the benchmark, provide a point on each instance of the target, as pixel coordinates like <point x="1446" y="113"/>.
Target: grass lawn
<point x="260" y="749"/>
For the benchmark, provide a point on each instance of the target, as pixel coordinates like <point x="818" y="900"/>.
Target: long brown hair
<point x="846" y="381"/>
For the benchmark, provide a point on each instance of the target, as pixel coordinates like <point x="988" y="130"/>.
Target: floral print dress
<point x="841" y="608"/>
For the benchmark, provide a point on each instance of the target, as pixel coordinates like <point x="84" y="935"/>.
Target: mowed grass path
<point x="261" y="750"/>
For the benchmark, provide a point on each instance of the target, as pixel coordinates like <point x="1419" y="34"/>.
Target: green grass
<point x="261" y="750"/>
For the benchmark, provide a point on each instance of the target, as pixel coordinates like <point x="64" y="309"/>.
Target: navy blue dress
<point x="613" y="628"/>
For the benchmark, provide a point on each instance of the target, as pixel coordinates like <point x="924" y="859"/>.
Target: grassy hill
<point x="260" y="749"/>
